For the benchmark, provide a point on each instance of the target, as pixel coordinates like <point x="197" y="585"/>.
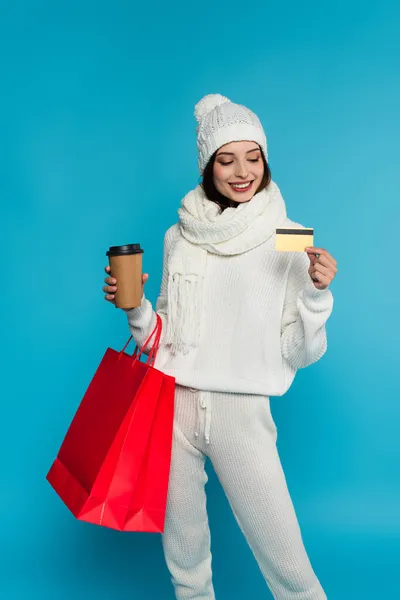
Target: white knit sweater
<point x="263" y="319"/>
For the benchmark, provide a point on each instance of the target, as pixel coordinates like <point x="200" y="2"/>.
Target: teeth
<point x="241" y="185"/>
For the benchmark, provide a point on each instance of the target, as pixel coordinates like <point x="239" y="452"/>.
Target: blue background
<point x="97" y="149"/>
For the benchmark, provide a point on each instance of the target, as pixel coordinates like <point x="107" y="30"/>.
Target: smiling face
<point x="238" y="170"/>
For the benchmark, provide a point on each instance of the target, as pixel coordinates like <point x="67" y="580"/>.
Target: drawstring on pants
<point x="203" y="404"/>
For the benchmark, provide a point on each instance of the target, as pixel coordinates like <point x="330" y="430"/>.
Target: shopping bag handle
<point x="153" y="352"/>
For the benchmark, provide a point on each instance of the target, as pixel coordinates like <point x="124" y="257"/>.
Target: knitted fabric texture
<point x="220" y="122"/>
<point x="240" y="441"/>
<point x="262" y="320"/>
<point x="205" y="229"/>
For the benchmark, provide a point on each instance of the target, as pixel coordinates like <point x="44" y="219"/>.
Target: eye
<point x="254" y="160"/>
<point x="226" y="163"/>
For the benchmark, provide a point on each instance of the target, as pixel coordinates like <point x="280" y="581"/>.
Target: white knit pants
<point x="238" y="434"/>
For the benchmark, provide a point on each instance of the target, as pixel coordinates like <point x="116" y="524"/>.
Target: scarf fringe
<point x="183" y="330"/>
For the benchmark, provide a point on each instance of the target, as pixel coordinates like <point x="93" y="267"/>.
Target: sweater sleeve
<point x="142" y="320"/>
<point x="305" y="312"/>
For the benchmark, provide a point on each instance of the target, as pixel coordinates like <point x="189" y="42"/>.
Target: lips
<point x="242" y="186"/>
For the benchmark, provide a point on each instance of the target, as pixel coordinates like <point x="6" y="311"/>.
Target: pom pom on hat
<point x="220" y="122"/>
<point x="207" y="104"/>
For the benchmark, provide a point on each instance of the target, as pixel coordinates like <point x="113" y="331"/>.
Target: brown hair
<point x="215" y="196"/>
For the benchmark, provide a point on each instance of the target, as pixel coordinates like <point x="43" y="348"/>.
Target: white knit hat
<point x="220" y="122"/>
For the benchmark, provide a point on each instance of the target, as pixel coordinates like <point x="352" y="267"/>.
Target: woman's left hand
<point x="323" y="267"/>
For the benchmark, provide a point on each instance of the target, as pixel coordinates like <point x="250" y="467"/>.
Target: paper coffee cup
<point x="126" y="268"/>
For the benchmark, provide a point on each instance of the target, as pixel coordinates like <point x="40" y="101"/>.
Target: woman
<point x="239" y="319"/>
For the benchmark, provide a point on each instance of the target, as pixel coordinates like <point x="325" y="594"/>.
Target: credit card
<point x="294" y="239"/>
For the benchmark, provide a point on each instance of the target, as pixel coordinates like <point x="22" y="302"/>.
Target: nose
<point x="241" y="169"/>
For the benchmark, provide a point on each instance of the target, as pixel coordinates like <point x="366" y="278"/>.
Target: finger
<point x="109" y="298"/>
<point x="324" y="259"/>
<point x="327" y="262"/>
<point x="109" y="289"/>
<point x="320" y="285"/>
<point x="107" y="269"/>
<point x="323" y="274"/>
<point x="110" y="280"/>
<point x="321" y="252"/>
<point x="319" y="268"/>
<point x="312" y="258"/>
<point x="145" y="277"/>
<point x="320" y="278"/>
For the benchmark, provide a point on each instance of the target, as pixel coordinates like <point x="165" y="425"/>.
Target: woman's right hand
<point x="111" y="286"/>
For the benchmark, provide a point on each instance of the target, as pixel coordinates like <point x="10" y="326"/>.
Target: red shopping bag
<point x="113" y="466"/>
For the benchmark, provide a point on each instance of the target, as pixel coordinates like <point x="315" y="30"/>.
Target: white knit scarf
<point x="205" y="229"/>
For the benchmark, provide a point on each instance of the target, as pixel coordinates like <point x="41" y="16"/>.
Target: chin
<point x="240" y="197"/>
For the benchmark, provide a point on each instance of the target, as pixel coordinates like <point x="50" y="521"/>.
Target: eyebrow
<point x="233" y="154"/>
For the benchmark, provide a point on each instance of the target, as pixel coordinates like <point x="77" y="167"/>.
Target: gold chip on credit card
<point x="294" y="239"/>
